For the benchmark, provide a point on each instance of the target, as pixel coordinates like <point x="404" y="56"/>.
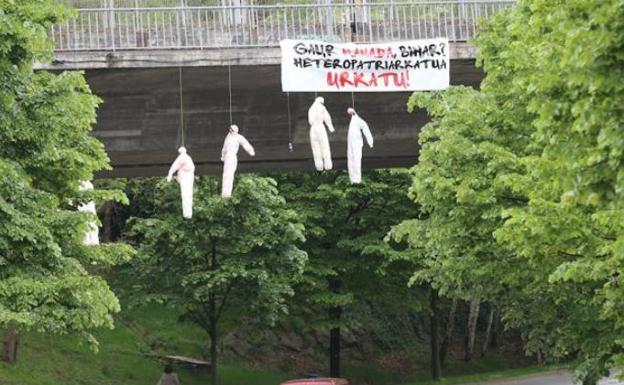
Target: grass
<point x="66" y="360"/>
<point x="490" y="367"/>
<point x="121" y="360"/>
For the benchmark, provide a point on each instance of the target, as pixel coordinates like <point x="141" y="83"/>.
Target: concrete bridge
<point x="135" y="56"/>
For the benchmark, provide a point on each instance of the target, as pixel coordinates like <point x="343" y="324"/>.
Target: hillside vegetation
<point x="124" y="352"/>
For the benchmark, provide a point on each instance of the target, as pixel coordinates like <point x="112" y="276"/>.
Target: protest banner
<point x="315" y="66"/>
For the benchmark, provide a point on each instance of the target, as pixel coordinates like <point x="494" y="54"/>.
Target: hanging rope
<point x="230" y="91"/>
<point x="352" y="100"/>
<point x="290" y="143"/>
<point x="181" y="135"/>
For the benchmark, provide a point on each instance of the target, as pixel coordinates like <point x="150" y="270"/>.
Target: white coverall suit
<point x="92" y="236"/>
<point x="185" y="169"/>
<point x="230" y="161"/>
<point x="318" y="117"/>
<point x="357" y="127"/>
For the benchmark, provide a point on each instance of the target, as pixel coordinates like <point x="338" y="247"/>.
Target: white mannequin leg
<point x="316" y="149"/>
<point x="92" y="236"/>
<point x="354" y="162"/>
<point x="186" y="181"/>
<point x="229" y="168"/>
<point x="325" y="150"/>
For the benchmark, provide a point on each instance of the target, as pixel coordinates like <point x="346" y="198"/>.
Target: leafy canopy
<point x="254" y="236"/>
<point x="46" y="273"/>
<point x="345" y="229"/>
<point x="522" y="180"/>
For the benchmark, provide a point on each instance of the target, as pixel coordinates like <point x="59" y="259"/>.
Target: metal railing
<point x="199" y="27"/>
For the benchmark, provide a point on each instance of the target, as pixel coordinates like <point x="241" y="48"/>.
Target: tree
<point x="236" y="255"/>
<point x="448" y="335"/>
<point x="47" y="280"/>
<point x="450" y="243"/>
<point x="573" y="219"/>
<point x="521" y="180"/>
<point x="403" y="258"/>
<point x="488" y="331"/>
<point x="436" y="362"/>
<point x="345" y="228"/>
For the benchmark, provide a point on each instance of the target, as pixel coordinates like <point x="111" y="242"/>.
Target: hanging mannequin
<point x="92" y="236"/>
<point x="357" y="127"/>
<point x="185" y="169"/>
<point x="230" y="160"/>
<point x="318" y="117"/>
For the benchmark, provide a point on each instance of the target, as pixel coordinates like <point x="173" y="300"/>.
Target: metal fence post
<point x="111" y="22"/>
<point x="178" y="17"/>
<point x="330" y="25"/>
<point x="239" y="22"/>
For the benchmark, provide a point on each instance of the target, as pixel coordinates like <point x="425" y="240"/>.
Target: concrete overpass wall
<point x="131" y="55"/>
<point x="140" y="118"/>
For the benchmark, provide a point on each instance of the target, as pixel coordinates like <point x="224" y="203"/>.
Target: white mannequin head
<point x="182" y="150"/>
<point x="234" y="129"/>
<point x="350" y="111"/>
<point x="320" y="100"/>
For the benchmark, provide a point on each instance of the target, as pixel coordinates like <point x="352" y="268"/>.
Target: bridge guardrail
<point x="202" y="27"/>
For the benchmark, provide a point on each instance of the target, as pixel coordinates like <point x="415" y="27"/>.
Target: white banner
<point x="315" y="66"/>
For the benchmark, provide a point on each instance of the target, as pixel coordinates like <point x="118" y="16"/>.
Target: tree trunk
<point x="9" y="345"/>
<point x="436" y="365"/>
<point x="540" y="358"/>
<point x="213" y="349"/>
<point x="494" y="336"/>
<point x="488" y="331"/>
<point x="450" y="325"/>
<point x="472" y="329"/>
<point x="213" y="320"/>
<point x="335" y="314"/>
<point x="334" y="347"/>
<point x="107" y="222"/>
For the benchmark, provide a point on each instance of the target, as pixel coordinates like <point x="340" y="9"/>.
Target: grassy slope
<point x="45" y="360"/>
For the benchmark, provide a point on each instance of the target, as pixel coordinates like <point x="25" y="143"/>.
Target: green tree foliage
<point x="345" y="228"/>
<point x="455" y="183"/>
<point x="46" y="273"/>
<point x="573" y="221"/>
<point x="237" y="256"/>
<point x="523" y="184"/>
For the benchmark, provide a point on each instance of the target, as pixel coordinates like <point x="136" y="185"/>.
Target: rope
<point x="182" y="142"/>
<point x="352" y="100"/>
<point x="230" y="91"/>
<point x="290" y="144"/>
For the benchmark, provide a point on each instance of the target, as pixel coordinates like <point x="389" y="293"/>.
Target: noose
<point x="181" y="128"/>
<point x="290" y="143"/>
<point x="230" y="91"/>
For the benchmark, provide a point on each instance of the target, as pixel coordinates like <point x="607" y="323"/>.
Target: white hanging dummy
<point x="230" y="160"/>
<point x="185" y="169"/>
<point x="318" y="117"/>
<point x="92" y="236"/>
<point x="357" y="127"/>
